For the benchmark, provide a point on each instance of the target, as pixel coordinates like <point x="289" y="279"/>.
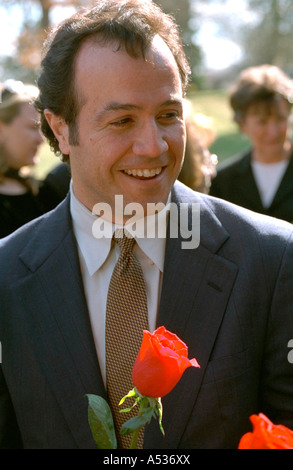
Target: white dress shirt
<point x="98" y="257"/>
<point x="268" y="177"/>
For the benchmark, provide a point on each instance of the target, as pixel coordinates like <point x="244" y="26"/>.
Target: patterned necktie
<point x="126" y="318"/>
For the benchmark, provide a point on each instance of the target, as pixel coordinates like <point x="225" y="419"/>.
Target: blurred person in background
<point x="22" y="197"/>
<point x="261" y="179"/>
<point x="199" y="166"/>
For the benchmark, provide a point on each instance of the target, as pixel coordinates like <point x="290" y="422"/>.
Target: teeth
<point x="145" y="173"/>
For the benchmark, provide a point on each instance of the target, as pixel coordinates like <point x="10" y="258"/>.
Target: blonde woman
<point x="22" y="198"/>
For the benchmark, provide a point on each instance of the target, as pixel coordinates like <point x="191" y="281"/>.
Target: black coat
<point x="235" y="183"/>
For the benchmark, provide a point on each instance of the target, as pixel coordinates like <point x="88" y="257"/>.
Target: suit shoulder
<point x="228" y="213"/>
<point x="236" y="218"/>
<point x="231" y="216"/>
<point x="234" y="160"/>
<point x="233" y="163"/>
<point x="38" y="234"/>
<point x="20" y="237"/>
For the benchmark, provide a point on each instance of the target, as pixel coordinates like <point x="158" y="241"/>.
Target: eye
<point x="121" y="122"/>
<point x="169" y="116"/>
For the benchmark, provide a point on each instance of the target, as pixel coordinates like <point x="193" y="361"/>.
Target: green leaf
<point x="131" y="393"/>
<point x="101" y="422"/>
<point x="146" y="412"/>
<point x="133" y="424"/>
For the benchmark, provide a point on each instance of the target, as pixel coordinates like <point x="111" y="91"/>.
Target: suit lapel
<point x="196" y="288"/>
<point x="58" y="324"/>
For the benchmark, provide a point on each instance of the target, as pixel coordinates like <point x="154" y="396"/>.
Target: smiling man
<point x="112" y="86"/>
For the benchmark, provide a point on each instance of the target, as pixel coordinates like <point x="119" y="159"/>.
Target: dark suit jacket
<point x="230" y="300"/>
<point x="235" y="183"/>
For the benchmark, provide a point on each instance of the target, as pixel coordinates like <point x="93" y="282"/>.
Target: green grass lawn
<point x="47" y="161"/>
<point x="214" y="104"/>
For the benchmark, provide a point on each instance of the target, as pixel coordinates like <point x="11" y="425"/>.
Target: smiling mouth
<point x="143" y="173"/>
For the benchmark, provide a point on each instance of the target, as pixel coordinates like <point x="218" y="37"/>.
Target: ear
<point x="60" y="130"/>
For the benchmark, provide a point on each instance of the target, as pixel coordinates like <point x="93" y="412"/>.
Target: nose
<point x="273" y="129"/>
<point x="150" y="140"/>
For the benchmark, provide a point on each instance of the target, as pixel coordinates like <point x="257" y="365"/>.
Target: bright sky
<point x="10" y="25"/>
<point x="218" y="52"/>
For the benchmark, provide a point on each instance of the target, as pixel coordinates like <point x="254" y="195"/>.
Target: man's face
<point x="131" y="132"/>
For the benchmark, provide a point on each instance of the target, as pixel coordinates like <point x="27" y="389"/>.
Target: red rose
<point x="266" y="435"/>
<point x="160" y="363"/>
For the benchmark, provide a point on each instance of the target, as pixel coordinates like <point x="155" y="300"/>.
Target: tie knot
<point x="124" y="240"/>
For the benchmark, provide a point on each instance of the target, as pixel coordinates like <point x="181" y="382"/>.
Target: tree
<point x="269" y="39"/>
<point x="25" y="64"/>
<point x="181" y="11"/>
<point x="263" y="29"/>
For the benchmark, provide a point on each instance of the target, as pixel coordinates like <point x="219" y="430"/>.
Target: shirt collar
<point x="95" y="250"/>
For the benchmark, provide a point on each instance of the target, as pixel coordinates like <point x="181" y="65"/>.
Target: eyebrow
<point x="116" y="106"/>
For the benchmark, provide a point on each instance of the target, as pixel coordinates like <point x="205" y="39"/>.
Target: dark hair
<point x="131" y="24"/>
<point x="261" y="84"/>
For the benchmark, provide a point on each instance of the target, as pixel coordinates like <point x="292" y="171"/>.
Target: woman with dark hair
<point x="261" y="179"/>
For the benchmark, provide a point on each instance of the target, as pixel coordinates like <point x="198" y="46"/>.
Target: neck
<point x="258" y="156"/>
<point x="12" y="182"/>
<point x="12" y="186"/>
